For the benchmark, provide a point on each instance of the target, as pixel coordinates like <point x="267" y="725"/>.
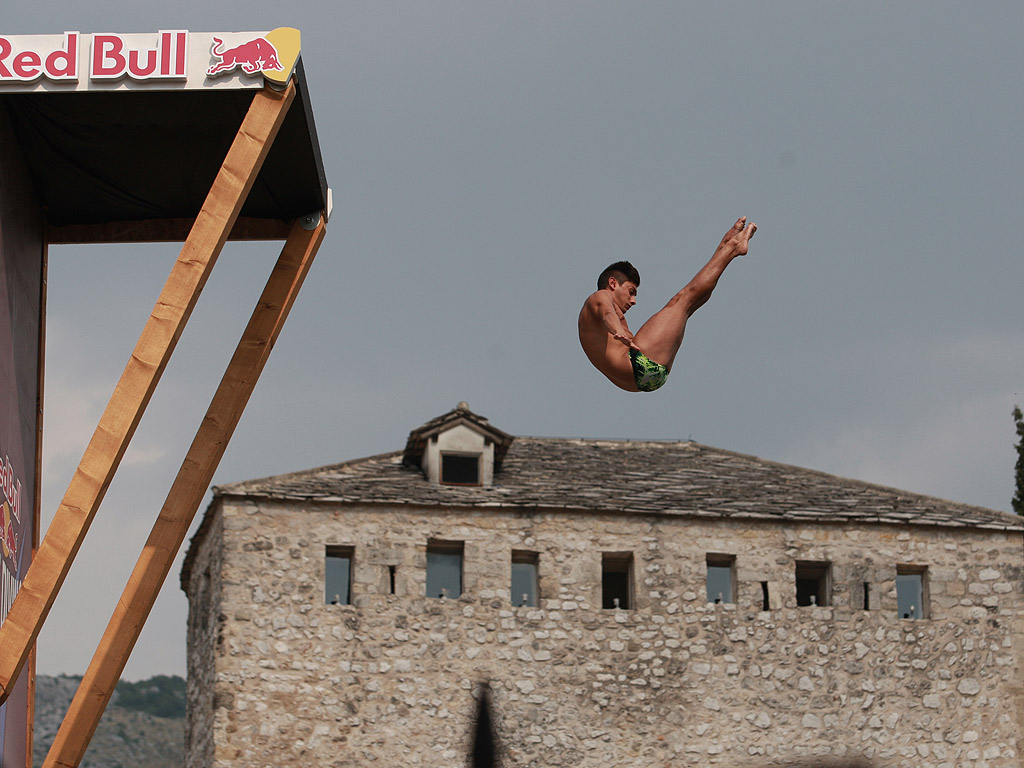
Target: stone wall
<point x="203" y="587"/>
<point x="677" y="680"/>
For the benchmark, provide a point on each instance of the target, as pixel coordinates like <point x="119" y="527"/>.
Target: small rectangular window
<point x="444" y="569"/>
<point x="911" y="592"/>
<point x="720" y="582"/>
<point x="766" y="604"/>
<point x="616" y="580"/>
<point x="460" y="469"/>
<point x="524" y="578"/>
<point x="813" y="583"/>
<point x="391" y="579"/>
<point x="338" y="575"/>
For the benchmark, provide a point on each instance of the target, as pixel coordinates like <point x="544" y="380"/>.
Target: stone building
<point x="628" y="603"/>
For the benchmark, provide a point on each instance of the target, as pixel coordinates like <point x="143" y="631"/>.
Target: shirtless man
<point x="641" y="362"/>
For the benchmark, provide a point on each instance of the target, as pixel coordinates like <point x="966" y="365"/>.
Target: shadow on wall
<point x="484" y="749"/>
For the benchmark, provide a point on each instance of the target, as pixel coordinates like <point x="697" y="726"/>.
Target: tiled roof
<point x="663" y="478"/>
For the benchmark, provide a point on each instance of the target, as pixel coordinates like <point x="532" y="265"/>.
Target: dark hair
<point x="622" y="271"/>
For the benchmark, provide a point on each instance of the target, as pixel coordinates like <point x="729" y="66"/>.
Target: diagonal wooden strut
<point x="117" y="425"/>
<point x="184" y="498"/>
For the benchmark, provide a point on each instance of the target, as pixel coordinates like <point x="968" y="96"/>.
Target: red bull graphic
<point x="10" y="535"/>
<point x="253" y="56"/>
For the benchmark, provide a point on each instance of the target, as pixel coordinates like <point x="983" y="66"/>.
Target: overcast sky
<point x="489" y="159"/>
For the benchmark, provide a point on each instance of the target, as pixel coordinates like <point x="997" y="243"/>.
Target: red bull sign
<point x="165" y="60"/>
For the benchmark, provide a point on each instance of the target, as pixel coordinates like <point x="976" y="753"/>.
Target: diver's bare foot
<point x="736" y="241"/>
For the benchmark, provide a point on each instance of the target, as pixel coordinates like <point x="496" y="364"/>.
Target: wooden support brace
<point x="117" y="425"/>
<point x="184" y="498"/>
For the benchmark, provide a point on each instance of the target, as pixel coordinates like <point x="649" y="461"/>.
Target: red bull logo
<point x="253" y="56"/>
<point x="10" y="517"/>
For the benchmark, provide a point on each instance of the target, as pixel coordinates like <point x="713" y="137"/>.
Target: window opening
<point x="460" y="469"/>
<point x="911" y="596"/>
<point x="524" y="578"/>
<point x="813" y="585"/>
<point x="867" y="595"/>
<point x="444" y="569"/>
<point x="338" y="575"/>
<point x="391" y="579"/>
<point x="765" y="603"/>
<point x="616" y="580"/>
<point x="720" y="582"/>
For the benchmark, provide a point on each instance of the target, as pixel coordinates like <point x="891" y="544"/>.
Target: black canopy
<point x="144" y="160"/>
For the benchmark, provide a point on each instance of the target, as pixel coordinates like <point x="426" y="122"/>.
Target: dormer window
<point x="459" y="448"/>
<point x="460" y="469"/>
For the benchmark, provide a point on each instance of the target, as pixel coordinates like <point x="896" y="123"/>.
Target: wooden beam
<point x="117" y="425"/>
<point x="184" y="498"/>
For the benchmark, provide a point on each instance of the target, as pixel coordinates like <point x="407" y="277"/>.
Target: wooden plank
<point x="184" y="498"/>
<point x="135" y="388"/>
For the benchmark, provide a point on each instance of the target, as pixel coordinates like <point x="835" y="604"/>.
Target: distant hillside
<point x="143" y="726"/>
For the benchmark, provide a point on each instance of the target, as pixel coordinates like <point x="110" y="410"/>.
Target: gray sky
<point x="489" y="159"/>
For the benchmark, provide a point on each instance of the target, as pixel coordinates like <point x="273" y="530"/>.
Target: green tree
<point x="162" y="695"/>
<point x="1018" y="497"/>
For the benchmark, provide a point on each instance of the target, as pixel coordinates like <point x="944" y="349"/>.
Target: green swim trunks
<point x="647" y="374"/>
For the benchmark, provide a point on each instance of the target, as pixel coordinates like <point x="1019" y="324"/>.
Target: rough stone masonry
<point x="278" y="676"/>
